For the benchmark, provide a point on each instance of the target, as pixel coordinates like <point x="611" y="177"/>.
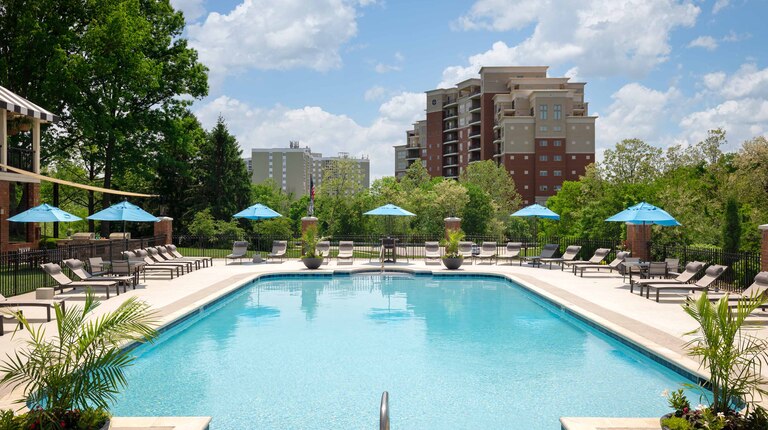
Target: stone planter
<point x="312" y="263"/>
<point x="452" y="263"/>
<point x="663" y="417"/>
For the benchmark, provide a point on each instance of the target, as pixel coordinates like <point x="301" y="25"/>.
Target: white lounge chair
<point x="239" y="251"/>
<point x="511" y="252"/>
<point x="346" y="251"/>
<point x="432" y="252"/>
<point x="569" y="255"/>
<point x="711" y="275"/>
<point x="487" y="252"/>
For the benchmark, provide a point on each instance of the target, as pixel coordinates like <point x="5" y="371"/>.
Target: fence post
<point x="15" y="277"/>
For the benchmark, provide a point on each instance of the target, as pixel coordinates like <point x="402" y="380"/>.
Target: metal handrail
<point x="384" y="412"/>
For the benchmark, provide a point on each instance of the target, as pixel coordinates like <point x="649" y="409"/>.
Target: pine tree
<point x="223" y="184"/>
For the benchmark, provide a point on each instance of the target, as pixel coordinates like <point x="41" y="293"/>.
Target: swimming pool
<point x="316" y="352"/>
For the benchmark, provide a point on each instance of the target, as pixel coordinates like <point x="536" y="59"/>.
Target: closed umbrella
<point x="44" y="213"/>
<point x="124" y="212"/>
<point x="257" y="212"/>
<point x="536" y="211"/>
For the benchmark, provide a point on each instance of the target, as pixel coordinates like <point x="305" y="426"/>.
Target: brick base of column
<point x="451" y="224"/>
<point x="307" y="222"/>
<point x="764" y="247"/>
<point x="164" y="228"/>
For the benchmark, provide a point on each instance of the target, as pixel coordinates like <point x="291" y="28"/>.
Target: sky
<point x="350" y="75"/>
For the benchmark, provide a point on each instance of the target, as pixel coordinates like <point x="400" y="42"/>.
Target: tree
<point x="223" y="184"/>
<point x="478" y="212"/>
<point x="732" y="226"/>
<point x="341" y="177"/>
<point x="633" y="161"/>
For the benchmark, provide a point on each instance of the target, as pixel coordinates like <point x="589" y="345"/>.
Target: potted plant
<point x="452" y="259"/>
<point x="733" y="358"/>
<point x="69" y="379"/>
<point x="311" y="259"/>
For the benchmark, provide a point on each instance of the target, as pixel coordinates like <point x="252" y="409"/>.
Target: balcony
<point x="474" y="157"/>
<point x="450" y="101"/>
<point x="450" y="138"/>
<point x="450" y="115"/>
<point x="474" y="147"/>
<point x="475" y="95"/>
<point x="20" y="158"/>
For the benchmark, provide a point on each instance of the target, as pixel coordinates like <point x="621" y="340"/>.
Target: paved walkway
<point x="601" y="297"/>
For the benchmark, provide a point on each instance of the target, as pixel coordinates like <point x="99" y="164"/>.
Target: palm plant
<point x="310" y="239"/>
<point x="734" y="358"/>
<point x="452" y="244"/>
<point x="83" y="364"/>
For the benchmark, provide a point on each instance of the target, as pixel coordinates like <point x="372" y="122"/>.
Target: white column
<point x="36" y="145"/>
<point x="3" y="137"/>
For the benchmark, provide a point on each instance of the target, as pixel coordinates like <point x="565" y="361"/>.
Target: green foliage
<point x="731" y="226"/>
<point x="83" y="364"/>
<point x="223" y="182"/>
<point x="452" y="244"/>
<point x="677" y="423"/>
<point x="732" y="356"/>
<point x="478" y="213"/>
<point x="40" y="419"/>
<point x="310" y="239"/>
<point x="277" y="227"/>
<point x="203" y="224"/>
<point x="679" y="402"/>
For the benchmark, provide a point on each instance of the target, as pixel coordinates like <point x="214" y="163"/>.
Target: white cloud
<point x="742" y="119"/>
<point x="714" y="81"/>
<point x="323" y="131"/>
<point x="395" y="67"/>
<point x="748" y="81"/>
<point x="573" y="73"/>
<point x="636" y="112"/>
<point x="192" y="9"/>
<point x="720" y="5"/>
<point x="268" y="35"/>
<point x="707" y="42"/>
<point x="376" y="92"/>
<point x="593" y="35"/>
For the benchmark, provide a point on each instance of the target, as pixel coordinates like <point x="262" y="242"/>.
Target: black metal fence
<point x="20" y="270"/>
<point x="742" y="266"/>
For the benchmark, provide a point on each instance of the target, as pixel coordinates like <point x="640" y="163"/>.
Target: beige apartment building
<point x="290" y="168"/>
<point x="538" y="127"/>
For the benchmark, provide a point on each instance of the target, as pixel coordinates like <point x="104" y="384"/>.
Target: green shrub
<point x="677" y="423"/>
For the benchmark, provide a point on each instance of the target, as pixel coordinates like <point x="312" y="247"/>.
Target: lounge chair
<point x="63" y="281"/>
<point x="99" y="266"/>
<point x="569" y="255"/>
<point x="511" y="252"/>
<point x="166" y="254"/>
<point x="239" y="251"/>
<point x="279" y="248"/>
<point x="690" y="272"/>
<point x="710" y="276"/>
<point x="15" y="302"/>
<point x="673" y="267"/>
<point x="175" y="252"/>
<point x="78" y="268"/>
<point x="597" y="258"/>
<point x="629" y="266"/>
<point x="156" y="255"/>
<point x="656" y="269"/>
<point x="616" y="264"/>
<point x="487" y="252"/>
<point x="151" y="257"/>
<point x="151" y="265"/>
<point x="128" y="268"/>
<point x="465" y="250"/>
<point x="346" y="251"/>
<point x="432" y="252"/>
<point x="548" y="251"/>
<point x="323" y="249"/>
<point x="758" y="288"/>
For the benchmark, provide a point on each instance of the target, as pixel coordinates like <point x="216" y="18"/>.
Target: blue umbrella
<point x="124" y="211"/>
<point x="645" y="213"/>
<point x="44" y="213"/>
<point x="389" y="210"/>
<point x="536" y="211"/>
<point x="257" y="212"/>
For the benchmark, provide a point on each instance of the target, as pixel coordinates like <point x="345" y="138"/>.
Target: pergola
<point x="13" y="106"/>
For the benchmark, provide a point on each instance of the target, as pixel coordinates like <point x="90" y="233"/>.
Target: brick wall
<point x="764" y="248"/>
<point x="164" y="227"/>
<point x="638" y="236"/>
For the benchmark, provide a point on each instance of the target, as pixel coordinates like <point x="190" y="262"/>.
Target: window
<point x="525" y="187"/>
<point x="542" y="173"/>
<point x="558" y="111"/>
<point x="558" y="173"/>
<point x="543" y="128"/>
<point x="543" y="188"/>
<point x="573" y="172"/>
<point x="543" y="143"/>
<point x="543" y="158"/>
<point x="558" y="187"/>
<point x="525" y="157"/>
<point x="573" y="157"/>
<point x="543" y="111"/>
<point x="557" y="143"/>
<point x="557" y="158"/>
<point x="557" y="128"/>
<point x="587" y="157"/>
<point x="525" y="173"/>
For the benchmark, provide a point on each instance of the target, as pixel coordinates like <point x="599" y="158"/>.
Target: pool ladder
<point x="384" y="412"/>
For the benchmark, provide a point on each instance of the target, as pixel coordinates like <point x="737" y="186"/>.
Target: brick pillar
<point x="452" y="224"/>
<point x="638" y="237"/>
<point x="764" y="247"/>
<point x="164" y="228"/>
<point x="307" y="222"/>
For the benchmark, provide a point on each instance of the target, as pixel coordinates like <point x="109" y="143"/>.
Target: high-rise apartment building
<point x="292" y="167"/>
<point x="414" y="150"/>
<point x="537" y="127"/>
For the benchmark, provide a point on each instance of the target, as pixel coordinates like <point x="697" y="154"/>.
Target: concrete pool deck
<point x="601" y="297"/>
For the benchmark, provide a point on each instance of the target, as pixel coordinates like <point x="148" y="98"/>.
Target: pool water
<point x="473" y="352"/>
